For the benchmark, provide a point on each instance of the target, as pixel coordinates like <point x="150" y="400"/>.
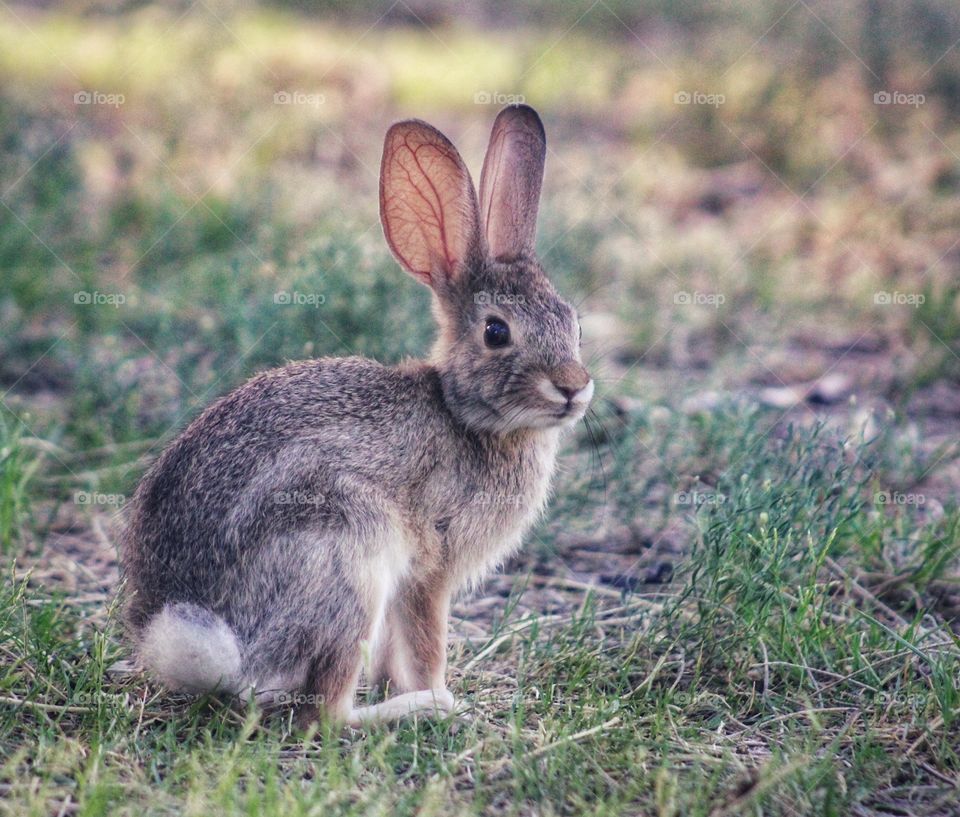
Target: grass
<point x="766" y="677"/>
<point x="17" y="467"/>
<point x="744" y="598"/>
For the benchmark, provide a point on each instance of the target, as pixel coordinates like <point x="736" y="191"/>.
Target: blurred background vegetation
<point x="187" y="194"/>
<point x="755" y="207"/>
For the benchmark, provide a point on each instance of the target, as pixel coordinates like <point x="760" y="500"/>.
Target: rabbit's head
<point x="508" y="348"/>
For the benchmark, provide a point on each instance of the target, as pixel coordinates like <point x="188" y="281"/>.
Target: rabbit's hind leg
<point x="347" y="615"/>
<point x="330" y="686"/>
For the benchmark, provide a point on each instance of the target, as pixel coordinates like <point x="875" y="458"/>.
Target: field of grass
<point x="745" y="597"/>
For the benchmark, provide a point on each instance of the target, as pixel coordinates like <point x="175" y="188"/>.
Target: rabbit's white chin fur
<point x="542" y="421"/>
<point x="535" y="418"/>
<point x="556" y="414"/>
<point x="539" y="419"/>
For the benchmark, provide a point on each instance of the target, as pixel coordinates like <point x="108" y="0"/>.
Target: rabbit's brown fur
<point x="335" y="503"/>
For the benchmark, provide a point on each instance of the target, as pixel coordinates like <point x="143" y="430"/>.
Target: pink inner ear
<point x="427" y="203"/>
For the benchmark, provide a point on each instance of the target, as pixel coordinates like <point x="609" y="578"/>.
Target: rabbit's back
<point x="317" y="444"/>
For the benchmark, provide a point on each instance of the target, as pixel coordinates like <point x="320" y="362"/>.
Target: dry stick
<point x="67" y="807"/>
<point x="865" y="595"/>
<point x="544" y="621"/>
<point x="766" y="669"/>
<point x="835" y="675"/>
<point x="575" y="737"/>
<point x="651" y="677"/>
<point x="939" y="775"/>
<point x="574" y="584"/>
<point x="464" y="755"/>
<point x="143" y="706"/>
<point x="936" y="723"/>
<point x="760" y="787"/>
<point x="801" y="713"/>
<point x="80" y="710"/>
<point x="682" y="661"/>
<point x="608" y="622"/>
<point x="495" y="644"/>
<point x="21" y="663"/>
<point x="836" y="618"/>
<point x="86" y="570"/>
<point x="883" y="657"/>
<point x="503" y="763"/>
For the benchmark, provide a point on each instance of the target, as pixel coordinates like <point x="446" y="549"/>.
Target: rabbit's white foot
<point x="422" y="702"/>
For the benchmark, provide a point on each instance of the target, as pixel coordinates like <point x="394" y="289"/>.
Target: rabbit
<point x="317" y="520"/>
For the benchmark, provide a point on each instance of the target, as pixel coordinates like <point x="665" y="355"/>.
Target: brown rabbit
<point x="332" y="507"/>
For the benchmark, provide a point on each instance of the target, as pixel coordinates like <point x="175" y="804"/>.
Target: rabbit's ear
<point x="428" y="205"/>
<point x="510" y="182"/>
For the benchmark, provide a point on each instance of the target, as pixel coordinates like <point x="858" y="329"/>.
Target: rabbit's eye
<point x="496" y="334"/>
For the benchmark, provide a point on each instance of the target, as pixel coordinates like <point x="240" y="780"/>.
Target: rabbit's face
<point x="513" y="360"/>
<point x="508" y="350"/>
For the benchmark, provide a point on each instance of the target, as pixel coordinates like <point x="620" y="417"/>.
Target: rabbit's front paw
<point x="443" y="700"/>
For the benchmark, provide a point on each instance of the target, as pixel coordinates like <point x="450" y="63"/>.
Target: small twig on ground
<point x="80" y="710"/>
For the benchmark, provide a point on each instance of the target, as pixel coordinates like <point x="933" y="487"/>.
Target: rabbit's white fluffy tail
<point x="191" y="649"/>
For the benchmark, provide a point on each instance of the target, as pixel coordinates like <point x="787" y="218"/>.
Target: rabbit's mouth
<point x="567" y="406"/>
<point x="546" y="414"/>
<point x="536" y="405"/>
<point x="570" y="415"/>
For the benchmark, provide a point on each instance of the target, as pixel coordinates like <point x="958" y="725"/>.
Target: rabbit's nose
<point x="570" y="380"/>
